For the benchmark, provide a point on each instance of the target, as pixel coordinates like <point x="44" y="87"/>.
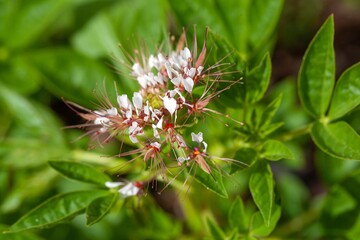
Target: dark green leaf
<point x="262" y="189"/>
<point x="259" y="228"/>
<point x="275" y="150"/>
<point x="244" y="156"/>
<point x="317" y="72"/>
<point x="237" y="216"/>
<point x="213" y="182"/>
<point x="342" y="207"/>
<point x="27" y="20"/>
<point x="215" y="230"/>
<point x="78" y="78"/>
<point x="337" y="139"/>
<point x="80" y="171"/>
<point x="263" y="18"/>
<point x="235" y="22"/>
<point x="36" y="119"/>
<point x="56" y="210"/>
<point x="20" y="75"/>
<point x="221" y="49"/>
<point x="347" y="92"/>
<point x="100" y="207"/>
<point x="257" y="80"/>
<point x="294" y="195"/>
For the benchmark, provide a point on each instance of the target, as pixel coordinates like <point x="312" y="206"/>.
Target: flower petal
<point x="137" y="100"/>
<point x="188" y="84"/>
<point x="170" y="104"/>
<point x="197" y="137"/>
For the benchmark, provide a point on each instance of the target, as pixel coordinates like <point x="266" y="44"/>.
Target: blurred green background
<point x="54" y="50"/>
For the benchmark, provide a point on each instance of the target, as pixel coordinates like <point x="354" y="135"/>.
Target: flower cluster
<point x="154" y="118"/>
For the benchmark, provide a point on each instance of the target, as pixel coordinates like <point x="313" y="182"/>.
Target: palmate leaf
<point x="57" y="209"/>
<point x="317" y="71"/>
<point x="80" y="171"/>
<point x="337" y="139"/>
<point x="347" y="93"/>
<point x="257" y="80"/>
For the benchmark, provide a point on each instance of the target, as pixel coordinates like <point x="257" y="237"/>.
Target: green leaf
<point x="100" y="207"/>
<point x="262" y="189"/>
<point x="80" y="171"/>
<point x="219" y="49"/>
<point x="78" y="78"/>
<point x="342" y="206"/>
<point x="263" y="18"/>
<point x="17" y="236"/>
<point x="259" y="228"/>
<point x="317" y="71"/>
<point x="20" y="75"/>
<point x="275" y="150"/>
<point x="337" y="139"/>
<point x="215" y="230"/>
<point x="235" y="22"/>
<point x="237" y="216"/>
<point x="347" y="93"/>
<point x="246" y="156"/>
<point x="56" y="209"/>
<point x="257" y="80"/>
<point x="213" y="182"/>
<point x="26" y="21"/>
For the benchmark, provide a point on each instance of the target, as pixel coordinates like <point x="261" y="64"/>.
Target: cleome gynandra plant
<point x="187" y="95"/>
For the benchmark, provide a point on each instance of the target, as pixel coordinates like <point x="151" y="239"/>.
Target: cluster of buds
<point x="154" y="118"/>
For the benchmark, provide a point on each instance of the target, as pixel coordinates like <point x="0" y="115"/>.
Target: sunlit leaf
<point x="275" y="150"/>
<point x="213" y="182"/>
<point x="57" y="209"/>
<point x="263" y="18"/>
<point x="262" y="189"/>
<point x="100" y="207"/>
<point x="337" y="139"/>
<point x="347" y="93"/>
<point x="237" y="216"/>
<point x="80" y="171"/>
<point x="257" y="80"/>
<point x="259" y="228"/>
<point x="317" y="72"/>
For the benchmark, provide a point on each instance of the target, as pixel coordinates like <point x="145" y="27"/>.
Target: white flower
<point x="188" y="83"/>
<point x="134" y="129"/>
<point x="112" y="111"/>
<point x="156" y="145"/>
<point x="123" y="101"/>
<point x="182" y="159"/>
<point x="197" y="137"/>
<point x="156" y="133"/>
<point x="129" y="190"/>
<point x="137" y="101"/>
<point x="170" y="104"/>
<point x="113" y="184"/>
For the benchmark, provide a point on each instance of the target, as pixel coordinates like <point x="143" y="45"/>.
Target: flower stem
<point x="294" y="134"/>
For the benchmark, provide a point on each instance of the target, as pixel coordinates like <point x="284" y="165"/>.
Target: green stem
<point x="298" y="224"/>
<point x="294" y="134"/>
